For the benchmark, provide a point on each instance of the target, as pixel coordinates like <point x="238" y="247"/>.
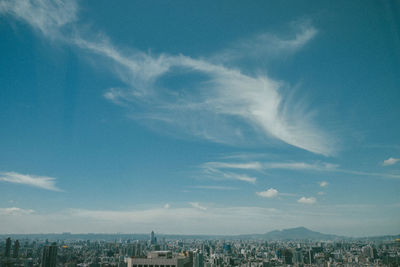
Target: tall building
<point x="16" y="249"/>
<point x="8" y="248"/>
<point x="152" y="238"/>
<point x="130" y="250"/>
<point x="49" y="258"/>
<point x="198" y="260"/>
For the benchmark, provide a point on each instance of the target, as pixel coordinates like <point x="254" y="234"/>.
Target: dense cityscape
<point x="188" y="252"/>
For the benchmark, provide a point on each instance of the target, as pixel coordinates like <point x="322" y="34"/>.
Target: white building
<point x="160" y="259"/>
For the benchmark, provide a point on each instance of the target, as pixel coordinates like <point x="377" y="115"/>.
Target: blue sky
<point x="211" y="117"/>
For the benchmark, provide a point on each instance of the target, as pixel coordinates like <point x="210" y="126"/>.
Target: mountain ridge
<point x="297" y="233"/>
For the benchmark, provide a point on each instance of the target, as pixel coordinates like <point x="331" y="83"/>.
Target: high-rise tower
<point x="152" y="238"/>
<point x="49" y="258"/>
<point x="8" y="248"/>
<point x="16" y="249"/>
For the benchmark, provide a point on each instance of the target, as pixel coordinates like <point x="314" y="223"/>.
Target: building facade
<point x="160" y="259"/>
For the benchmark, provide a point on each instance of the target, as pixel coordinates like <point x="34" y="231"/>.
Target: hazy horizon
<point x="189" y="234"/>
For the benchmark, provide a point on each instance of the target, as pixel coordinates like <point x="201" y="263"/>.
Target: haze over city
<point x="206" y="117"/>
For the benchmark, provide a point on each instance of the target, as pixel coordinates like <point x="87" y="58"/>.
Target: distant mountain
<point x="299" y="233"/>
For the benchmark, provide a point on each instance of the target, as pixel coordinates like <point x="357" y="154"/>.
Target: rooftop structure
<point x="160" y="259"/>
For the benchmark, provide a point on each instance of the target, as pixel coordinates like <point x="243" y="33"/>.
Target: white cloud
<point x="116" y="96"/>
<point x="226" y="105"/>
<point x="390" y="161"/>
<point x="323" y="183"/>
<point x="49" y="17"/>
<point x="167" y="206"/>
<point x="295" y="166"/>
<point x="228" y="165"/>
<point x="268" y="46"/>
<point x="239" y="177"/>
<point x="219" y="169"/>
<point x="307" y="200"/>
<point x="325" y="167"/>
<point x="302" y="166"/>
<point x="259" y="166"/>
<point x="15" y="211"/>
<point x="44" y="182"/>
<point x="214" y="187"/>
<point x="270" y="193"/>
<point x="216" y="173"/>
<point x="197" y="205"/>
<point x="364" y="173"/>
<point x="321" y="193"/>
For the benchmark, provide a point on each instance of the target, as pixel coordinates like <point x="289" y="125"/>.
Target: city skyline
<point x="129" y="251"/>
<point x="199" y="118"/>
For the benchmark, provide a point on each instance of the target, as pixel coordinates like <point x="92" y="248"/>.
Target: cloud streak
<point x="14" y="211"/>
<point x="267" y="45"/>
<point x="292" y="166"/>
<point x="214" y="187"/>
<point x="197" y="205"/>
<point x="49" y="17"/>
<point x="44" y="182"/>
<point x="215" y="173"/>
<point x="221" y="104"/>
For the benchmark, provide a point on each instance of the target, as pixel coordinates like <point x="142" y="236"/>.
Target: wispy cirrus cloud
<point x="15" y="211"/>
<point x="259" y="166"/>
<point x="197" y="205"/>
<point x="239" y="177"/>
<point x="45" y="182"/>
<point x="237" y="170"/>
<point x="214" y="187"/>
<point x="326" y="167"/>
<point x="219" y="103"/>
<point x="375" y="174"/>
<point x="214" y="172"/>
<point x="390" y="161"/>
<point x="267" y="45"/>
<point x="49" y="17"/>
<point x="318" y="166"/>
<point x="234" y="165"/>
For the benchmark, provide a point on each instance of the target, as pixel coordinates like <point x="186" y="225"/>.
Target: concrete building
<point x="160" y="259"/>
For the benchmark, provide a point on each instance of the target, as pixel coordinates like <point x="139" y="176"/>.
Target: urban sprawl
<point x="168" y="252"/>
